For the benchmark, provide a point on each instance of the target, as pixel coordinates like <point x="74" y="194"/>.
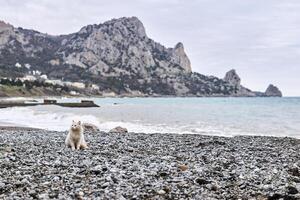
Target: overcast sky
<point x="258" y="38"/>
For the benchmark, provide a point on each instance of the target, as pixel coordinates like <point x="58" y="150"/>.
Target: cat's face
<point x="76" y="125"/>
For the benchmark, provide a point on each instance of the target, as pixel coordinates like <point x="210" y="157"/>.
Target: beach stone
<point x="90" y="127"/>
<point x="96" y="170"/>
<point x="183" y="167"/>
<point x="105" y="185"/>
<point x="292" y="190"/>
<point x="43" y="196"/>
<point x="53" y="195"/>
<point x="33" y="193"/>
<point x="118" y="129"/>
<point x="214" y="187"/>
<point x="147" y="166"/>
<point x="2" y="187"/>
<point x="201" y="181"/>
<point x="161" y="192"/>
<point x="79" y="195"/>
<point x="294" y="171"/>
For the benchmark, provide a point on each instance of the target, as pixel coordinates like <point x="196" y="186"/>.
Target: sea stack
<point x="273" y="91"/>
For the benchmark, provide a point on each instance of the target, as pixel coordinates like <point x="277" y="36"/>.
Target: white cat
<point x="75" y="138"/>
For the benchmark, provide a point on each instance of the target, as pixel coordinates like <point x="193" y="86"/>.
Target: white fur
<point x="75" y="138"/>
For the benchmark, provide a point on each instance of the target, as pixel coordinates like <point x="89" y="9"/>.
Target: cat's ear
<point x="79" y="122"/>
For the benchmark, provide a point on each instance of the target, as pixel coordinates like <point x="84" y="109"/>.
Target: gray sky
<point x="258" y="38"/>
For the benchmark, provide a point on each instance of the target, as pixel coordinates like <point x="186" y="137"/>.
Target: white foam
<point x="57" y="121"/>
<point x="28" y="117"/>
<point x="60" y="121"/>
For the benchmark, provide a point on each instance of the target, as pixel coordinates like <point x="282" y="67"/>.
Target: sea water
<point x="209" y="116"/>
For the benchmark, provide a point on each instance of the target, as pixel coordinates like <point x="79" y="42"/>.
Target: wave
<point x="27" y="117"/>
<point x="59" y="119"/>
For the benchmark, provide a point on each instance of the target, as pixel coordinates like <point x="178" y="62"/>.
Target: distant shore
<point x="125" y="95"/>
<point x="35" y="164"/>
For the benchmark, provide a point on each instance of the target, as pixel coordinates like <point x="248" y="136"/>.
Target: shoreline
<point x="17" y="127"/>
<point x="139" y="96"/>
<point x="36" y="164"/>
<point x="9" y="127"/>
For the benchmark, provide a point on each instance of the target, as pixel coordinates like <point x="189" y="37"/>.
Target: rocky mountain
<point x="115" y="57"/>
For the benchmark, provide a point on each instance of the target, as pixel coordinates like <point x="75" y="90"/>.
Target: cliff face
<point x="117" y="56"/>
<point x="233" y="78"/>
<point x="121" y="47"/>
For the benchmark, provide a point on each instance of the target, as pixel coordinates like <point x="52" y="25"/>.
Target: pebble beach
<point x="35" y="164"/>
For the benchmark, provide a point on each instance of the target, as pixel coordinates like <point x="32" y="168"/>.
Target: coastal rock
<point x="119" y="129"/>
<point x="90" y="127"/>
<point x="273" y="91"/>
<point x="232" y="78"/>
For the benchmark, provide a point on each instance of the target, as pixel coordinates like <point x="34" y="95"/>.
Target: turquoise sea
<point x="210" y="116"/>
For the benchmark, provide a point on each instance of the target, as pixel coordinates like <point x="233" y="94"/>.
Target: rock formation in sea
<point x="273" y="91"/>
<point x="113" y="58"/>
<point x="234" y="80"/>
